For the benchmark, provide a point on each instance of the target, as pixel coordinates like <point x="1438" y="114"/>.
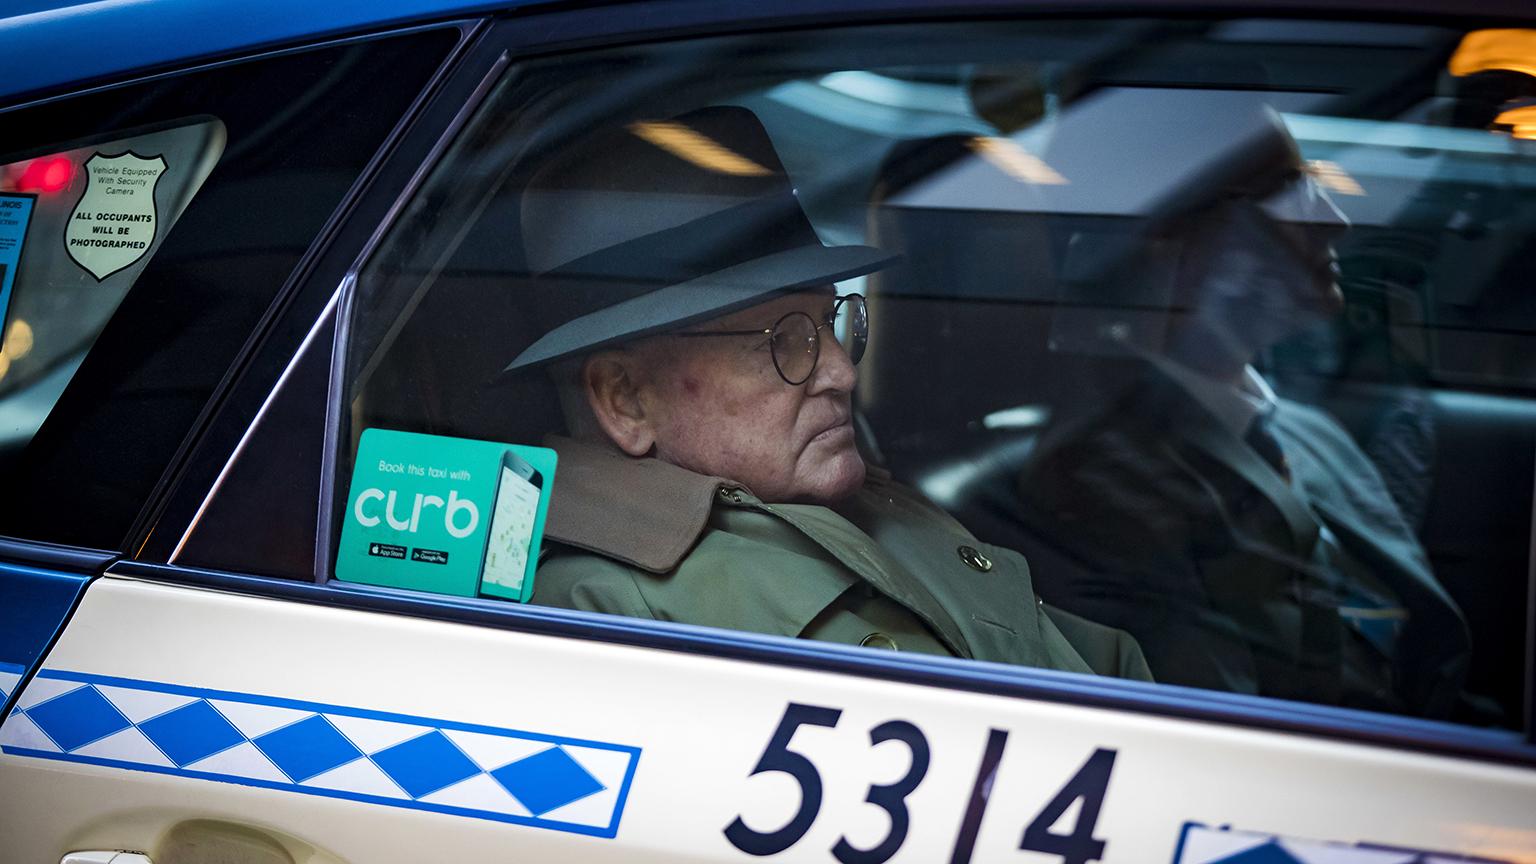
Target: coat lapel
<point x="847" y="542"/>
<point x="1201" y="430"/>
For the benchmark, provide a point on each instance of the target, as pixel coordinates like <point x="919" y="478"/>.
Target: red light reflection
<point x="46" y="175"/>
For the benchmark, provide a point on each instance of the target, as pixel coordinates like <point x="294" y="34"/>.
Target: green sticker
<point x="448" y="515"/>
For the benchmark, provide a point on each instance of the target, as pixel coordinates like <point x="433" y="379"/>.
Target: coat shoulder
<point x="573" y="579"/>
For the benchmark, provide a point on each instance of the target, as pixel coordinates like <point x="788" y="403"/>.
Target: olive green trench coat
<point x="888" y="569"/>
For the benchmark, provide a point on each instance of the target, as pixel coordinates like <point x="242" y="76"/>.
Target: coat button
<point x="878" y="640"/>
<point x="974" y="559"/>
<point x="731" y="495"/>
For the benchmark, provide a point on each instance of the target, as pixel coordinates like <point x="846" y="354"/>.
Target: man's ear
<point x="611" y="381"/>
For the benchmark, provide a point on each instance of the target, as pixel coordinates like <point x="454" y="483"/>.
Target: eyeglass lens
<point x="796" y="339"/>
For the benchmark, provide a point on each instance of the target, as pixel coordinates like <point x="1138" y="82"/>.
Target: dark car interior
<point x="972" y="357"/>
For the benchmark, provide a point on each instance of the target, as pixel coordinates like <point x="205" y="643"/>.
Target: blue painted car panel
<point x="34" y="603"/>
<point x="50" y="45"/>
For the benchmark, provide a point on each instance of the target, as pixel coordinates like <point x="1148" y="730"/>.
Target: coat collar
<point x="644" y="512"/>
<point x="640" y="511"/>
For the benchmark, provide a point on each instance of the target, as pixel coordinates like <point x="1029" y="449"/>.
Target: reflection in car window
<point x="85" y="221"/>
<point x="130" y="324"/>
<point x="1184" y="349"/>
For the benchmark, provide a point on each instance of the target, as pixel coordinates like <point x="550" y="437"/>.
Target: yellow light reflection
<point x="1485" y="50"/>
<point x="693" y="146"/>
<point x="1496" y="842"/>
<point x="5" y="365"/>
<point x="1522" y="121"/>
<point x="1007" y="156"/>
<point x="1331" y="176"/>
<point x="18" y="340"/>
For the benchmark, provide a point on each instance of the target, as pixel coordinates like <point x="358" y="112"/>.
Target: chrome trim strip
<point x="261" y="414"/>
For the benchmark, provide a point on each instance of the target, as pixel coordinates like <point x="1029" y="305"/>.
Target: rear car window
<point x="1212" y="334"/>
<point x="163" y="220"/>
<point x="82" y="224"/>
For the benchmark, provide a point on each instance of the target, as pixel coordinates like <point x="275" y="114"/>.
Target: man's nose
<point x="834" y="371"/>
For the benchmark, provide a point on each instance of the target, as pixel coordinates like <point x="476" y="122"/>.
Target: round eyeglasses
<point x="795" y="339"/>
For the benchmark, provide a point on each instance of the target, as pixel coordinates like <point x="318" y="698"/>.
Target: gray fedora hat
<point x="1123" y="163"/>
<point x="1138" y="153"/>
<point x="655" y="226"/>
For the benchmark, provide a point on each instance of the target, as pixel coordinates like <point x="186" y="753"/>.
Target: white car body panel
<point x="699" y="725"/>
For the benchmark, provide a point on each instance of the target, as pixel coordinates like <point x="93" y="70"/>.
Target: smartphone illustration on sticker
<point x="512" y="518"/>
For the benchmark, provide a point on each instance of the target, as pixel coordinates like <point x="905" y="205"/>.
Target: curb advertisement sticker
<point x="447" y="515"/>
<point x="15" y="214"/>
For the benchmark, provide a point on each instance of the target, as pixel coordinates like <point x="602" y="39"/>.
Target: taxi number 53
<point x="1090" y="783"/>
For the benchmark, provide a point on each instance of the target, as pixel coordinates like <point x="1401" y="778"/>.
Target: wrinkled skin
<point x="717" y="406"/>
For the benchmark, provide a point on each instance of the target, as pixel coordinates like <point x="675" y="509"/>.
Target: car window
<point x="1190" y="350"/>
<point x="84" y="222"/>
<point x="148" y="228"/>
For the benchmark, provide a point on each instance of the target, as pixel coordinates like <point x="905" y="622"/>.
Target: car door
<point x="218" y="691"/>
<point x="150" y="226"/>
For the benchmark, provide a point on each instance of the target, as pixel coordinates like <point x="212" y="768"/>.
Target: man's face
<point x="718" y="406"/>
<point x="1266" y="269"/>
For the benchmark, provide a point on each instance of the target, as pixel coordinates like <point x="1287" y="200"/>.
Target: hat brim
<point x="711" y="296"/>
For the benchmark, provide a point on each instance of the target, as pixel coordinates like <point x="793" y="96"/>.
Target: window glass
<point x="1185" y="349"/>
<point x="84" y="223"/>
<point x="163" y="219"/>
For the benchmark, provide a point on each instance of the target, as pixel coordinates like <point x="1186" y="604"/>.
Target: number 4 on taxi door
<point x="1078" y="846"/>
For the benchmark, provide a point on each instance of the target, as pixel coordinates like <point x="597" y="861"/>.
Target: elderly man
<point x="713" y="476"/>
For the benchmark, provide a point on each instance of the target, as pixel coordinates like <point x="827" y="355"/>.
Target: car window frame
<point x="48" y="552"/>
<point x="526" y="35"/>
<point x="267" y="357"/>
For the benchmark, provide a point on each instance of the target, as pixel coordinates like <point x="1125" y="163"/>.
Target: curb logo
<point x="114" y="223"/>
<point x="451" y="509"/>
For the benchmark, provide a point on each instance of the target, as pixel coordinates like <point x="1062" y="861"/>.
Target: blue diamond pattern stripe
<point x="78" y="717"/>
<point x="91" y="720"/>
<point x="425" y="764"/>
<point x="306" y="748"/>
<point x="191" y="732"/>
<point x="1269" y="853"/>
<point x="546" y="780"/>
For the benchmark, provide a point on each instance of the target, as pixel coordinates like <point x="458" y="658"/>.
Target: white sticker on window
<point x="113" y="226"/>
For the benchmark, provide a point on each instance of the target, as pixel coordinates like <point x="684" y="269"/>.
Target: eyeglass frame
<point x="837" y="307"/>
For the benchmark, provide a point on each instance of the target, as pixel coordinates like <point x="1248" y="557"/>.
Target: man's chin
<point x="836" y="479"/>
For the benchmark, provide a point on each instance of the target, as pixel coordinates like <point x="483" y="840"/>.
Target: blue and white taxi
<point x="1219" y="316"/>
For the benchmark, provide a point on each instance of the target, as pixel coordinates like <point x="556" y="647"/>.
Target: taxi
<point x="276" y="493"/>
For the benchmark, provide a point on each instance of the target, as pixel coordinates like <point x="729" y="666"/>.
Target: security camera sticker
<point x="114" y="223"/>
<point x="15" y="215"/>
<point x="448" y="515"/>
